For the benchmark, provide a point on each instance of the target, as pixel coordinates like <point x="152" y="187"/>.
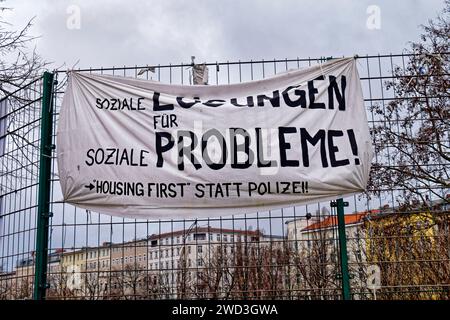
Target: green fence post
<point x="345" y="277"/>
<point x="43" y="215"/>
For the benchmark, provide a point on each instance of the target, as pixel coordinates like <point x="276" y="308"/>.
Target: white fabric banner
<point x="144" y="149"/>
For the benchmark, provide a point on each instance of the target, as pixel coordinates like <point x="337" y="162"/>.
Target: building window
<point x="199" y="262"/>
<point x="199" y="236"/>
<point x="210" y="237"/>
<point x="218" y="237"/>
<point x="178" y="239"/>
<point x="225" y="238"/>
<point x="199" y="249"/>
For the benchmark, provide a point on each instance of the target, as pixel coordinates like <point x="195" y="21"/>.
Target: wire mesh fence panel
<point x="394" y="251"/>
<point x="20" y="117"/>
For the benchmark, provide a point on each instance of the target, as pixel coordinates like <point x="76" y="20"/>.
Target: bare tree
<point x="242" y="270"/>
<point x="157" y="286"/>
<point x="18" y="63"/>
<point x="315" y="264"/>
<point x="23" y="289"/>
<point x="132" y="281"/>
<point x="413" y="255"/>
<point x="6" y="287"/>
<point x="59" y="288"/>
<point x="183" y="279"/>
<point x="412" y="131"/>
<point x="214" y="279"/>
<point x="135" y="281"/>
<point x="93" y="287"/>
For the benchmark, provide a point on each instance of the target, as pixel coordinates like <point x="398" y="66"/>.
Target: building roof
<point x="204" y="229"/>
<point x="7" y="274"/>
<point x="72" y="251"/>
<point x="331" y="221"/>
<point x="29" y="261"/>
<point x="176" y="233"/>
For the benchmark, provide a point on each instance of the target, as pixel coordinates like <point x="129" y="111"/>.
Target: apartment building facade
<point x="180" y="259"/>
<point x="158" y="266"/>
<point x="85" y="271"/>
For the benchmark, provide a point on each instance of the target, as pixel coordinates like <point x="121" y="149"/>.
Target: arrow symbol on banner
<point x="90" y="186"/>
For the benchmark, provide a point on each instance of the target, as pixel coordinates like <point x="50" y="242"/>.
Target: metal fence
<point x="292" y="253"/>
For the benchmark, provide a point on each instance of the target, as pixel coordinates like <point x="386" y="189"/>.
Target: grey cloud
<point x="140" y="32"/>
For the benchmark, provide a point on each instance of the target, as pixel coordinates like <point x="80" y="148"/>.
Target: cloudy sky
<point x="107" y="33"/>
